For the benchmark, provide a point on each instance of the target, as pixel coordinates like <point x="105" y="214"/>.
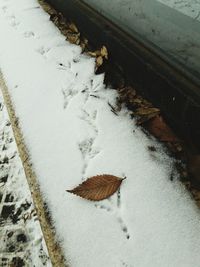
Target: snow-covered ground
<point x="21" y="238"/>
<point x="72" y="135"/>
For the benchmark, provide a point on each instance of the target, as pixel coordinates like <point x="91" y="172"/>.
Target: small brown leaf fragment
<point x="73" y="38"/>
<point x="126" y="93"/>
<point x="96" y="53"/>
<point x="98" y="187"/>
<point x="99" y="61"/>
<point x="104" y="52"/>
<point x="158" y="127"/>
<point x="73" y="27"/>
<point x="143" y="119"/>
<point x="84" y="43"/>
<point x="147" y="111"/>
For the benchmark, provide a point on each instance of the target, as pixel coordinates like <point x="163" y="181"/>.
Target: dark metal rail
<point x="175" y="91"/>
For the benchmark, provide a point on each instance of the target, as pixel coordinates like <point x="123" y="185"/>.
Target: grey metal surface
<point x="174" y="32"/>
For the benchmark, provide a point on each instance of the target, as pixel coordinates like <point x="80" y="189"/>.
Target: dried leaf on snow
<point x="98" y="187"/>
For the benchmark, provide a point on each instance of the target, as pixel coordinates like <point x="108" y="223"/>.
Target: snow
<point x="72" y="135"/>
<point x="20" y="232"/>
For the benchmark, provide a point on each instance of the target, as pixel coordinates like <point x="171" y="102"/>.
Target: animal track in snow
<point x="86" y="147"/>
<point x="88" y="150"/>
<point x="88" y="153"/>
<point x="123" y="227"/>
<point x="113" y="205"/>
<point x="124" y="264"/>
<point x="10" y="17"/>
<point x="64" y="67"/>
<point x="32" y="8"/>
<point x="13" y="21"/>
<point x="87" y="94"/>
<point x="29" y="34"/>
<point x="4" y="9"/>
<point x="68" y="94"/>
<point x="90" y="119"/>
<point x="42" y="50"/>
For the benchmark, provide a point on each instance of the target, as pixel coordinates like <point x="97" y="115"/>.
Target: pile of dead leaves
<point x="100" y="55"/>
<point x="73" y="35"/>
<point x="67" y="28"/>
<point x="146" y="115"/>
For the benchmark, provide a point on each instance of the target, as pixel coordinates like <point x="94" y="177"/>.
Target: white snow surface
<point x="72" y="135"/>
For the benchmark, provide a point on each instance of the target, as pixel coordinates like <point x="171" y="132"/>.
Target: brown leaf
<point x="158" y="127"/>
<point x="73" y="37"/>
<point x="99" y="61"/>
<point x="104" y="52"/>
<point x="96" y="53"/>
<point x="73" y="27"/>
<point x="98" y="187"/>
<point x="84" y="43"/>
<point x="146" y="111"/>
<point x="144" y="119"/>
